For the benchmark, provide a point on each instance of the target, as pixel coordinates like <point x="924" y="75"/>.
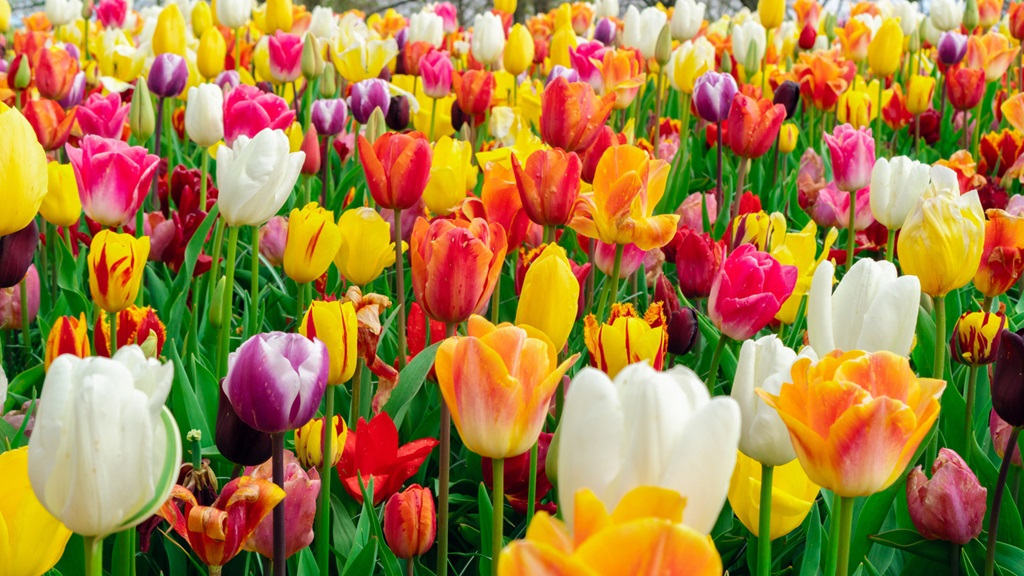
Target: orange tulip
<point x="474" y="90"/>
<point x="51" y="125"/>
<point x="503" y="203"/>
<point x="992" y="53"/>
<point x="644" y="536"/>
<point x="823" y="76"/>
<point x="55" y="73"/>
<point x="498" y="382"/>
<point x="1002" y="258"/>
<point x="1013" y="108"/>
<point x="455" y="266"/>
<point x="808" y="12"/>
<point x="627" y="186"/>
<point x="855" y="38"/>
<point x="1017" y="20"/>
<point x="965" y="87"/>
<point x="989" y="12"/>
<point x="397" y="168"/>
<point x="69" y="335"/>
<point x="622" y="74"/>
<point x="753" y="125"/>
<point x="572" y="115"/>
<point x="548" y="185"/>
<point x="856" y="419"/>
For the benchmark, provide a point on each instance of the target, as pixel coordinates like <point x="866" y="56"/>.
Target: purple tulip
<point x="604" y="32"/>
<point x="952" y="48"/>
<point x="75" y="95"/>
<point x="168" y="76"/>
<point x="368" y="95"/>
<point x="276" y="380"/>
<point x="228" y="79"/>
<point x="559" y="71"/>
<point x="16" y="250"/>
<point x="329" y="116"/>
<point x="712" y="94"/>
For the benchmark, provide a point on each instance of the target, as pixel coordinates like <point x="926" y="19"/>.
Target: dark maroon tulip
<point x="236" y="440"/>
<point x="683" y="329"/>
<point x="788" y="94"/>
<point x="1008" y="378"/>
<point x="16" y="251"/>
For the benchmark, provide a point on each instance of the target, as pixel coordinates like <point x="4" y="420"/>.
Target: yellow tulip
<point x="856" y="107"/>
<point x="169" y="36"/>
<point x="313" y="240"/>
<point x="518" y="50"/>
<point x="506" y="6"/>
<point x="942" y="240"/>
<point x="278" y="16"/>
<point x="366" y="248"/>
<point x="787" y="137"/>
<point x="335" y="324"/>
<point x="23" y="176"/>
<point x="689" y="62"/>
<point x="920" y="90"/>
<point x="202" y="19"/>
<point x="295" y="137"/>
<point x="261" y="60"/>
<point x="771" y="13"/>
<point x="626" y="338"/>
<point x="5" y="16"/>
<point x="61" y="206"/>
<point x="798" y="249"/>
<point x="886" y="49"/>
<point x="364" y="59"/>
<point x="451" y="174"/>
<point x="561" y="41"/>
<point x="31" y="539"/>
<point x="563" y="16"/>
<point x="212" y="51"/>
<point x="116" y="264"/>
<point x="309" y="446"/>
<point x="793" y="494"/>
<point x="550" y="296"/>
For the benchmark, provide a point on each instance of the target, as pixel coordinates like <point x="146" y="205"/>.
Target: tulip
<point x="309" y="438"/>
<point x="168" y="76"/>
<point x="626" y="338"/>
<point x="748" y="292"/>
<point x="5" y="16"/>
<point x="86" y="405"/>
<point x="886" y="48"/>
<point x="687" y="17"/>
<point x="248" y="111"/>
<point x="69" y="335"/>
<point x="51" y="125"/>
<point x="858" y="106"/>
<point x="33" y="539"/>
<point x="273" y="236"/>
<point x="275" y="381"/>
<point x="992" y="53"/>
<point x="771" y="13"/>
<point x="474" y="90"/>
<point x="116" y="264"/>
<point x="301" y="489"/>
<point x="853" y="157"/>
<point x="233" y="13"/>
<point x="204" y="115"/>
<point x="436" y="73"/>
<point x="572" y="116"/>
<point x="366" y="248"/>
<point x="169" y="36"/>
<point x="787" y="94"/>
<point x="61" y="12"/>
<point x="793" y="495"/>
<point x="920" y="93"/>
<point x="964" y="87"/>
<point x="54" y="73"/>
<point x="285" y="57"/>
<point x="372" y="452"/>
<point x="103" y="116"/>
<point x="471" y="251"/>
<point x="951" y="505"/>
<point x="220" y="530"/>
<point x="75" y="95"/>
<point x="61" y="206"/>
<point x="713" y="94"/>
<point x="621" y="74"/>
<point x="452" y="175"/>
<point x="213" y="49"/>
<point x="16" y="252"/>
<point x="749" y="42"/>
<point x="141" y="118"/>
<point x="1006" y="378"/>
<point x="645" y="429"/>
<point x="976" y="337"/>
<point x="872" y="309"/>
<point x="548" y="185"/>
<point x="881" y="389"/>
<point x="550" y="296"/>
<point x="952" y="48"/>
<point x="256" y="177"/>
<point x="698" y="258"/>
<point x="426" y="27"/>
<point x="364" y="60"/>
<point x="519" y="50"/>
<point x="313" y="241"/>
<point x="329" y="116"/>
<point x="1000" y="431"/>
<point x="896" y="186"/>
<point x="488" y="38"/>
<point x="1002" y="257"/>
<point x="641" y="29"/>
<point x="135" y="325"/>
<point x="367" y="96"/>
<point x="334" y="324"/>
<point x="764" y="363"/>
<point x="752" y="125"/>
<point x="788" y="135"/>
<point x="942" y="240"/>
<point x="410" y="522"/>
<point x="689" y="62"/>
<point x="397" y="168"/>
<point x="682" y="326"/>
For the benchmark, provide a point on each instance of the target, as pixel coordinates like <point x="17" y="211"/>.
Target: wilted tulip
<point x="410" y="522"/>
<point x="951" y="505"/>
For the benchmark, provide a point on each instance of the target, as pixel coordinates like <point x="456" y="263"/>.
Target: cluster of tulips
<point x="698" y="296"/>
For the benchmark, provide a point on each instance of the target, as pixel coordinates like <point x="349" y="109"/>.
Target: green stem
<point x="357" y="384"/>
<point x="833" y="536"/>
<point x="498" y="516"/>
<point x="972" y="384"/>
<point x="323" y="527"/>
<point x="612" y="289"/>
<point x="656" y="137"/>
<point x="26" y="335"/>
<point x="890" y="246"/>
<point x="204" y="166"/>
<point x="433" y="115"/>
<point x="300" y="304"/>
<point x="845" y="531"/>
<point x="997" y="500"/>
<point x="214" y="273"/>
<point x="977" y="126"/>
<point x="940" y="337"/>
<point x="496" y="301"/>
<point x="764" y="528"/>
<point x="154" y="197"/>
<point x="444" y="470"/>
<point x="851" y="233"/>
<point x="715" y="360"/>
<point x="93" y="555"/>
<point x="280" y="566"/>
<point x="400" y="288"/>
<point x="112" y="344"/>
<point x="531" y="491"/>
<point x="238" y="49"/>
<point x="225" y="322"/>
<point x="254" y="294"/>
<point x="878" y="118"/>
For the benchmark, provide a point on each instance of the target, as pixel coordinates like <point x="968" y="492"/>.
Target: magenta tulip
<point x="368" y="95"/>
<point x="712" y="96"/>
<point x="950" y="506"/>
<point x="329" y="116"/>
<point x="436" y="73"/>
<point x="111" y="13"/>
<point x="113" y="178"/>
<point x="248" y="111"/>
<point x="853" y="157"/>
<point x="103" y="116"/>
<point x="301" y="488"/>
<point x="748" y="292"/>
<point x="285" y="57"/>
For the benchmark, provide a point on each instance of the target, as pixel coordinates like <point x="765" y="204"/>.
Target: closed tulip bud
<point x="519" y="50"/>
<point x="202" y="18"/>
<point x="1008" y="378"/>
<point x="788" y="94"/>
<point x="21" y="72"/>
<point x="168" y="76"/>
<point x="896" y="186"/>
<point x="211" y="53"/>
<point x="971" y="15"/>
<point x="713" y="94"/>
<point x="853" y="156"/>
<point x="311" y="148"/>
<point x="976" y="337"/>
<point x="549" y="296"/>
<point x="116" y="264"/>
<point x="410" y="522"/>
<point x="683" y="328"/>
<point x="397" y="118"/>
<point x="204" y="114"/>
<point x="771" y="13"/>
<point x="548" y="185"/>
<point x="312" y="64"/>
<point x="141" y="118"/>
<point x="886" y="48"/>
<point x="808" y="37"/>
<point x="663" y="47"/>
<point x="397" y="168"/>
<point x="62" y="205"/>
<point x="16" y="252"/>
<point x="951" y="505"/>
<point x="334" y="323"/>
<point x="328" y="83"/>
<point x="169" y="36"/>
<point x="376" y="125"/>
<point x="919" y="93"/>
<point x="216" y="308"/>
<point x="488" y="38"/>
<point x="788" y="135"/>
<point x="1016" y="20"/>
<point x="309" y="442"/>
<point x="313" y="240"/>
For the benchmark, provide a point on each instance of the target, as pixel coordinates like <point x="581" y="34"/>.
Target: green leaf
<point x="182" y="284"/>
<point x="811" y="560"/>
<point x="183" y="393"/>
<point x="486" y="512"/>
<point x="869" y="519"/>
<point x="28" y="380"/>
<point x="362" y="563"/>
<point x="910" y="541"/>
<point x="410" y="381"/>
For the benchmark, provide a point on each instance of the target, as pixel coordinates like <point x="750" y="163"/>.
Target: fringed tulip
<point x="113" y="178"/>
<point x="135" y="325"/>
<point x="626" y="338"/>
<point x="951" y="504"/>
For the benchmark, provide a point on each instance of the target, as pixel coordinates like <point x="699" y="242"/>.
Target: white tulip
<point x="896" y="186"/>
<point x="234" y="13"/>
<point x="104" y="453"/>
<point x="687" y="19"/>
<point x="943" y="180"/>
<point x="871" y="309"/>
<point x="764" y="363"/>
<point x="255" y="177"/>
<point x="323" y="24"/>
<point x="749" y="43"/>
<point x="605" y="9"/>
<point x="909" y="14"/>
<point x="3" y="385"/>
<point x="641" y="29"/>
<point x="488" y="38"/>
<point x="204" y="114"/>
<point x="61" y="12"/>
<point x="647" y="428"/>
<point x="872" y="22"/>
<point x="947" y="15"/>
<point x="426" y="27"/>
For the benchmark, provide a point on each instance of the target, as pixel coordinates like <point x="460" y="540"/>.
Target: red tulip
<point x="51" y="125"/>
<point x="571" y="114"/>
<point x="698" y="258"/>
<point x="548" y="185"/>
<point x="753" y="125"/>
<point x="473" y="91"/>
<point x="397" y="168"/>
<point x="372" y="451"/>
<point x="410" y="522"/>
<point x="965" y="87"/>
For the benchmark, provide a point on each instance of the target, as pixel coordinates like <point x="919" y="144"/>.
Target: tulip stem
<point x="225" y="321"/>
<point x="277" y="445"/>
<point x="976" y="133"/>
<point x="498" y="514"/>
<point x="764" y="526"/>
<point x="112" y="342"/>
<point x="972" y="385"/>
<point x="997" y="500"/>
<point x="656" y="136"/>
<point x="238" y="49"/>
<point x="851" y="232"/>
<point x="741" y="180"/>
<point x="154" y="197"/>
<point x="400" y="288"/>
<point x="410" y="566"/>
<point x="940" y="337"/>
<point x="890" y="246"/>
<point x="26" y="334"/>
<point x="93" y="555"/>
<point x="531" y="490"/>
<point x="444" y="465"/>
<point x="878" y="117"/>
<point x="433" y="115"/>
<point x="323" y="527"/>
<point x="254" y="307"/>
<point x="204" y="167"/>
<point x="613" y="284"/>
<point x="719" y="192"/>
<point x="845" y="530"/>
<point x="715" y="360"/>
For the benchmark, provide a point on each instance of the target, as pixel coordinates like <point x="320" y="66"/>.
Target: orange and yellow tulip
<point x="626" y="338"/>
<point x="549" y="184"/>
<point x="1002" y="258"/>
<point x="571" y="115"/>
<point x="992" y="53"/>
<point x="116" y="264"/>
<point x="51" y="125"/>
<point x="623" y="75"/>
<point x="54" y="73"/>
<point x="1013" y="108"/>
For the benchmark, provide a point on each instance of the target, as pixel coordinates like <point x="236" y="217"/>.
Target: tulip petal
<point x="651" y="547"/>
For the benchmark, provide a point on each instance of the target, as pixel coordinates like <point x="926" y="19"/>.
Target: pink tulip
<point x="449" y="16"/>
<point x="692" y="213"/>
<point x="832" y="209"/>
<point x="604" y="258"/>
<point x="853" y="157"/>
<point x="273" y="236"/>
<point x="436" y="72"/>
<point x="950" y="506"/>
<point x="748" y="292"/>
<point x="301" y="490"/>
<point x="285" y="57"/>
<point x="248" y="110"/>
<point x="1000" y="430"/>
<point x="10" y="301"/>
<point x="111" y="13"/>
<point x="113" y="178"/>
<point x="103" y="116"/>
<point x="586" y="60"/>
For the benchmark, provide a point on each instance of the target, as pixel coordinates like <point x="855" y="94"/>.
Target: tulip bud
<point x="952" y="48"/>
<point x="788" y="135"/>
<point x="16" y="251"/>
<point x="376" y="126"/>
<point x="273" y="239"/>
<point x="69" y="335"/>
<point x="236" y="440"/>
<point x="202" y="18"/>
<point x="410" y="522"/>
<point x="87" y="10"/>
<point x="21" y="70"/>
<point x="726" y="66"/>
<point x="397" y="117"/>
<point x="713" y="94"/>
<point x="950" y="506"/>
<point x="604" y="32"/>
<point x="168" y="76"/>
<point x="216" y="307"/>
<point x="328" y="84"/>
<point x="971" y="16"/>
<point x="976" y="337"/>
<point x="312" y="59"/>
<point x="830" y="27"/>
<point x="311" y="147"/>
<point x="808" y="36"/>
<point x="309" y="446"/>
<point x="149" y="345"/>
<point x="914" y="44"/>
<point x="663" y="47"/>
<point x="1008" y="378"/>
<point x="788" y="94"/>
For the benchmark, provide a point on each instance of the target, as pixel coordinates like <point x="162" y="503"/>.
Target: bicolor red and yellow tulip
<point x="626" y="338"/>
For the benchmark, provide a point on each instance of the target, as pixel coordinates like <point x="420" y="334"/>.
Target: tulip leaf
<point x="410" y="381"/>
<point x="306" y="563"/>
<point x="22" y="383"/>
<point x="1010" y="528"/>
<point x="391" y="565"/>
<point x="183" y="395"/>
<point x="363" y="562"/>
<point x="182" y="284"/>
<point x="911" y="541"/>
<point x="869" y="520"/>
<point x="486" y="512"/>
<point x="812" y="550"/>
